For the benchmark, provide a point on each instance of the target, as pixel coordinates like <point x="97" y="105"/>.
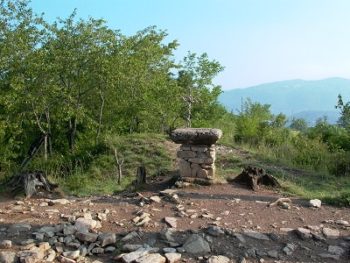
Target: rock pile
<point x="197" y="152"/>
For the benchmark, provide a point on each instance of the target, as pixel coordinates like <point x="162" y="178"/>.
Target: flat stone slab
<point x="196" y="136"/>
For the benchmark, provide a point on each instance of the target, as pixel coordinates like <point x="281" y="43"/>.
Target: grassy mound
<point x="100" y="177"/>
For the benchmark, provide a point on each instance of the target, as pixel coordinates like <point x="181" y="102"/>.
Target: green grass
<point x="136" y="150"/>
<point x="95" y="172"/>
<point x="303" y="182"/>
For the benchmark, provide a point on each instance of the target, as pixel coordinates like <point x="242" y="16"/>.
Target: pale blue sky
<point x="257" y="41"/>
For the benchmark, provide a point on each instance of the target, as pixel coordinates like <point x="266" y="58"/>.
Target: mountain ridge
<point x="293" y="97"/>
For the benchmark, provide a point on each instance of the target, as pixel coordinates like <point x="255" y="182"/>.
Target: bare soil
<point x="229" y="206"/>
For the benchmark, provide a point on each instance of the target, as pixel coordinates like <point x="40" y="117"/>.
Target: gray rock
<point x="86" y="237"/>
<point x="240" y="237"/>
<point x="130" y="236"/>
<point x="5" y="244"/>
<point x="251" y="252"/>
<point x="84" y="225"/>
<point x="215" y="231"/>
<point x="97" y="250"/>
<point x="169" y="250"/>
<point x="69" y="230"/>
<point x="303" y="233"/>
<point x="110" y="249"/>
<point x="218" y="259"/>
<point x="272" y="253"/>
<point x="47" y="229"/>
<point x="71" y="254"/>
<point x="22" y="227"/>
<point x="172" y="257"/>
<point x="330" y="256"/>
<point x="330" y="233"/>
<point x="336" y="250"/>
<point x="74" y="245"/>
<point x="315" y="203"/>
<point x="27" y="242"/>
<point x="151" y="258"/>
<point x="342" y="222"/>
<point x="168" y="234"/>
<point x="256" y="235"/>
<point x="131" y="247"/>
<point x="39" y="236"/>
<point x="8" y="257"/>
<point x="107" y="239"/>
<point x="197" y="136"/>
<point x="288" y="249"/>
<point x="196" y="244"/>
<point x="83" y="251"/>
<point x="318" y="237"/>
<point x="132" y="256"/>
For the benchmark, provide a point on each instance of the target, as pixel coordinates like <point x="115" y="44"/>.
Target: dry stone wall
<point x="197" y="152"/>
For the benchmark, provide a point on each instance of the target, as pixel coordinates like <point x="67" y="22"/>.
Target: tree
<point x="251" y="121"/>
<point x="298" y="124"/>
<point x="199" y="93"/>
<point x="344" y="108"/>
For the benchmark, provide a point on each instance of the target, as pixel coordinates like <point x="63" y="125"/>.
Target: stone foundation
<point x="197" y="161"/>
<point x="197" y="153"/>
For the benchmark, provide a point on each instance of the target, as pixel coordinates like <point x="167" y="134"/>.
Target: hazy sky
<point x="256" y="40"/>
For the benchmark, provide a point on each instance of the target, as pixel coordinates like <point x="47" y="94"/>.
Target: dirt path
<point x="235" y="210"/>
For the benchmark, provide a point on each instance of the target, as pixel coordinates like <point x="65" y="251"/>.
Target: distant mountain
<point x="309" y="99"/>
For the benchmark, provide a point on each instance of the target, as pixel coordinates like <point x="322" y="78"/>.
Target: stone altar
<point x="197" y="152"/>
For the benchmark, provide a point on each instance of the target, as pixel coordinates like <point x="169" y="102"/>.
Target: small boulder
<point x="336" y="250"/>
<point x="218" y="259"/>
<point x="171" y="221"/>
<point x="256" y="235"/>
<point x="5" y="244"/>
<point x="59" y="202"/>
<point x="215" y="231"/>
<point x="151" y="258"/>
<point x="8" y="257"/>
<point x="315" y="203"/>
<point x="86" y="237"/>
<point x="172" y="257"/>
<point x="196" y="244"/>
<point x="303" y="233"/>
<point x="71" y="254"/>
<point x="107" y="239"/>
<point x="330" y="233"/>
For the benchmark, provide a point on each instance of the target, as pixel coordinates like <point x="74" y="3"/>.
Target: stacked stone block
<point x="197" y="152"/>
<point x="197" y="161"/>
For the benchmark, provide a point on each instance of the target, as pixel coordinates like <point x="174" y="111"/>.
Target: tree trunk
<point x="119" y="165"/>
<point x="253" y="177"/>
<point x="72" y="132"/>
<point x="30" y="183"/>
<point x="45" y="146"/>
<point x="141" y="175"/>
<point x="100" y="116"/>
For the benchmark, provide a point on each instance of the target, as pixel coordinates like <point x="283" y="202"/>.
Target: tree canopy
<point x="73" y="81"/>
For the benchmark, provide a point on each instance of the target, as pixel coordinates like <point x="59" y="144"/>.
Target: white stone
<point x="172" y="257"/>
<point x="330" y="233"/>
<point x="315" y="203"/>
<point x="218" y="259"/>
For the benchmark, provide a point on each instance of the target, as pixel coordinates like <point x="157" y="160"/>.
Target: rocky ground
<point x="219" y="223"/>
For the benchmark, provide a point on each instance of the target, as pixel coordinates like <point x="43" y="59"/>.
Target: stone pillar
<point x="197" y="152"/>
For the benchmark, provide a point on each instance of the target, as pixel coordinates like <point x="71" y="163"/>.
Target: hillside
<point x="301" y="98"/>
